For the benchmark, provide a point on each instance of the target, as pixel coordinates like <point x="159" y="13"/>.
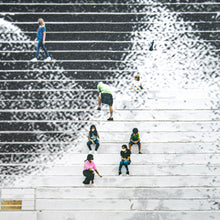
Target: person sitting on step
<point x="89" y="168"/>
<point x="105" y="97"/>
<point x="125" y="159"/>
<point x="93" y="139"/>
<point x="137" y="84"/>
<point x="135" y="139"/>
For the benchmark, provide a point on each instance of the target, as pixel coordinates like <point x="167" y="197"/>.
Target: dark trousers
<point x="124" y="163"/>
<point x="41" y="45"/>
<point x="89" y="176"/>
<point x="96" y="145"/>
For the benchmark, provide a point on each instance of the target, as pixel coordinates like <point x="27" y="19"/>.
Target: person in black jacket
<point x="125" y="159"/>
<point x="93" y="139"/>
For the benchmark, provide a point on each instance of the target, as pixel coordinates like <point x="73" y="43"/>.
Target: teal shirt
<point x="103" y="88"/>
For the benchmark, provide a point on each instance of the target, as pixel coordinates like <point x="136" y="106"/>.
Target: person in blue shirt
<point x="41" y="36"/>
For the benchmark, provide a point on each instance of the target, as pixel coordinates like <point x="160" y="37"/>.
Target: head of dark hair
<point x="137" y="77"/>
<point x="135" y="130"/>
<point x="90" y="157"/>
<point x="90" y="131"/>
<point x="125" y="146"/>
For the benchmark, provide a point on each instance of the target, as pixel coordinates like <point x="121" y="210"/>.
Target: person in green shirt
<point x="105" y="97"/>
<point x="135" y="139"/>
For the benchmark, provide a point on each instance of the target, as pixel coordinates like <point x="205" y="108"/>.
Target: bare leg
<point x="111" y="111"/>
<point x="130" y="147"/>
<point x="139" y="147"/>
<point x="99" y="101"/>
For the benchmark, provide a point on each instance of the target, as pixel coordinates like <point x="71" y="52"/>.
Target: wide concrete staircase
<point x="47" y="109"/>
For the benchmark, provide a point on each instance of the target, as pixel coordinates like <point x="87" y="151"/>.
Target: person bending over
<point x="105" y="97"/>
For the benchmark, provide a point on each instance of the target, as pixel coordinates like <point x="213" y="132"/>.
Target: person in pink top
<point x="89" y="168"/>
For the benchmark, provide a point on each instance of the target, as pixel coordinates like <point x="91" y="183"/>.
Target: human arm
<point x="44" y="37"/>
<point x="98" y="173"/>
<point x="90" y="139"/>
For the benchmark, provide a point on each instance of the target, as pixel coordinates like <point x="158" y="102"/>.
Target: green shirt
<point x="103" y="88"/>
<point x="134" y="137"/>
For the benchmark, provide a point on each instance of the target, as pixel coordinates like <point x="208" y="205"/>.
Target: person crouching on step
<point x="89" y="168"/>
<point x="125" y="159"/>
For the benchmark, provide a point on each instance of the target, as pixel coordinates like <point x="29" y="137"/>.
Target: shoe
<point x="92" y="181"/>
<point x="90" y="152"/>
<point x="47" y="59"/>
<point x="99" y="108"/>
<point x="140" y="153"/>
<point x="110" y="119"/>
<point x="119" y="172"/>
<point x="127" y="172"/>
<point x="34" y="59"/>
<point x="95" y="152"/>
<point x="84" y="182"/>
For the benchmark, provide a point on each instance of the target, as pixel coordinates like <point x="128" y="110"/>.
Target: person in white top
<point x="137" y="83"/>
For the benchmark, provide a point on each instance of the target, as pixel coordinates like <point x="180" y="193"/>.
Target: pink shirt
<point x="88" y="165"/>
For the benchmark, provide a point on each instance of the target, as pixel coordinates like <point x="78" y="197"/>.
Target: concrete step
<point x="117" y="181"/>
<point x="74" y="45"/>
<point x="135" y="170"/>
<point x="124" y="215"/>
<point x="109" y="159"/>
<point x="69" y="127"/>
<point x="110" y="193"/>
<point x="128" y="193"/>
<point x="96" y="45"/>
<point x="151" y="148"/>
<point x="126" y="205"/>
<point x="72" y="55"/>
<point x="140" y="115"/>
<point x="206" y="33"/>
<point x="81" y="65"/>
<point x="114" y="137"/>
<point x="104" y="8"/>
<point x="21" y="215"/>
<point x="12" y="99"/>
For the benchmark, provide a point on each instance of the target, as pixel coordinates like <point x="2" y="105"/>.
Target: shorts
<point x="106" y="98"/>
<point x="131" y="143"/>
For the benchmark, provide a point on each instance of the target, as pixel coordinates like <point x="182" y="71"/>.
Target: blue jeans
<point x="40" y="44"/>
<point x="96" y="144"/>
<point x="125" y="163"/>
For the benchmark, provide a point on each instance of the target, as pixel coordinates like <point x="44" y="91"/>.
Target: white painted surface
<point x="19" y="215"/>
<point x="128" y="215"/>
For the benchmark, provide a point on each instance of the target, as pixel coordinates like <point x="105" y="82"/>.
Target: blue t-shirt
<point x="40" y="31"/>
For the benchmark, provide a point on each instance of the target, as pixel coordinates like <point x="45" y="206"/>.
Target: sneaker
<point x="95" y="152"/>
<point x="90" y="152"/>
<point x="34" y="59"/>
<point x="84" y="182"/>
<point x="119" y="172"/>
<point x="99" y="108"/>
<point x="47" y="59"/>
<point x="140" y="153"/>
<point x="127" y="172"/>
<point x="110" y="119"/>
